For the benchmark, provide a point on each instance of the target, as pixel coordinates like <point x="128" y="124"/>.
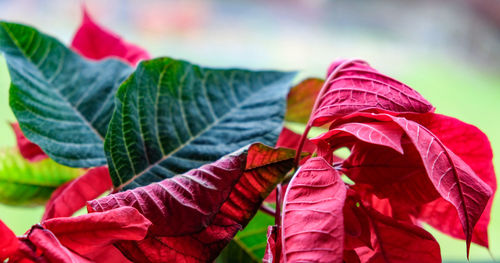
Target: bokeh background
<point x="448" y="50"/>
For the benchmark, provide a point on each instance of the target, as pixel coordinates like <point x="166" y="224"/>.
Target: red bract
<point x="312" y="229"/>
<point x="355" y="86"/>
<point x="72" y="196"/>
<point x="196" y="214"/>
<point x="8" y="242"/>
<point x="28" y="150"/>
<point x="95" y="42"/>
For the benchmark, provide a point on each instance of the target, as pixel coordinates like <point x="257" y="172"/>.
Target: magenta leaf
<point x="358" y="87"/>
<point x="312" y="220"/>
<point x="196" y="214"/>
<point x="95" y="42"/>
<point x="396" y="241"/>
<point x="473" y="147"/>
<point x="91" y="232"/>
<point x="8" y="242"/>
<point x="72" y="196"/>
<point x="378" y="133"/>
<point x="28" y="150"/>
<point x="272" y="232"/>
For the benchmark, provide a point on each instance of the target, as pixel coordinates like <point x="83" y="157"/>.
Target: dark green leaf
<point x="62" y="101"/>
<point x="25" y="183"/>
<point x="172" y="116"/>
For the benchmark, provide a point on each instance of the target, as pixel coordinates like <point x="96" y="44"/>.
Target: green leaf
<point x="172" y="116"/>
<point x="249" y="245"/>
<point x="62" y="101"/>
<point x="26" y="183"/>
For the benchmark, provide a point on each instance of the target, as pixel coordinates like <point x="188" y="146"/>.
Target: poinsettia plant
<point x="199" y="167"/>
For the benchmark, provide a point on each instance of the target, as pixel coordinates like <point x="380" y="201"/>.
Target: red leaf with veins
<point x="358" y="87"/>
<point x="312" y="221"/>
<point x="378" y="133"/>
<point x="452" y="177"/>
<point x="473" y="147"/>
<point x="72" y="196"/>
<point x="91" y="232"/>
<point x="8" y="242"/>
<point x="390" y="174"/>
<point x="28" y="150"/>
<point x="196" y="214"/>
<point x="47" y="247"/>
<point x="395" y="241"/>
<point x="95" y="42"/>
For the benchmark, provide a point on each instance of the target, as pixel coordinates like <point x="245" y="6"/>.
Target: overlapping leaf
<point x="473" y="147"/>
<point x="172" y="116"/>
<point x="72" y="196"/>
<point x="8" y="242"/>
<point x="62" y="101"/>
<point x="28" y="150"/>
<point x="301" y="100"/>
<point x="358" y="87"/>
<point x="26" y="183"/>
<point x="395" y="241"/>
<point x="218" y="199"/>
<point x="95" y="42"/>
<point x="312" y="221"/>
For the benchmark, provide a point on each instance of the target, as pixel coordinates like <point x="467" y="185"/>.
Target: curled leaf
<point x="73" y="195"/>
<point x="358" y="87"/>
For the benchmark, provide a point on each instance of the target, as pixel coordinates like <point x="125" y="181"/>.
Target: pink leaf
<point x="358" y="87"/>
<point x="95" y="42"/>
<point x="196" y="214"/>
<point x="453" y="178"/>
<point x="88" y="233"/>
<point x="72" y="196"/>
<point x="378" y="133"/>
<point x="290" y="139"/>
<point x="8" y="242"/>
<point x="473" y="147"/>
<point x="28" y="150"/>
<point x="312" y="221"/>
<point x="395" y="241"/>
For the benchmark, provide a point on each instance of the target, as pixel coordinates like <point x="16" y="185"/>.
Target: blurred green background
<point x="449" y="51"/>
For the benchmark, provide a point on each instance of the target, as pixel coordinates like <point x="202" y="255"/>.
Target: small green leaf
<point x="25" y="183"/>
<point x="249" y="245"/>
<point x="62" y="101"/>
<point x="172" y="116"/>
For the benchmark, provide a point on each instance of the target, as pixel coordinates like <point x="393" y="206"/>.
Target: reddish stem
<point x="268" y="210"/>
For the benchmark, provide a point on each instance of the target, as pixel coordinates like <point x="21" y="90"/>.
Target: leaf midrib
<point x="48" y="81"/>
<point x="236" y="107"/>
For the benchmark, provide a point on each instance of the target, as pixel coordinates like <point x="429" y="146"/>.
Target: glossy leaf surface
<point x="218" y="199"/>
<point x="26" y="183"/>
<point x="95" y="42"/>
<point x="357" y="87"/>
<point x="62" y="101"/>
<point x="312" y="220"/>
<point x="172" y="116"/>
<point x="72" y="196"/>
